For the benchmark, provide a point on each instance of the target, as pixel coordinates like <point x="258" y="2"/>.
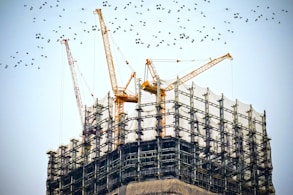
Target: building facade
<point x="210" y="145"/>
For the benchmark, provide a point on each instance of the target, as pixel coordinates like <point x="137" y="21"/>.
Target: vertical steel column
<point x="63" y="170"/>
<point x="63" y="165"/>
<point x="139" y="132"/>
<point x="97" y="157"/>
<point x="207" y="128"/>
<point x="74" y="151"/>
<point x="267" y="157"/>
<point x="121" y="160"/>
<point x="110" y="129"/>
<point x="177" y="131"/>
<point x="121" y="142"/>
<point x="98" y="131"/>
<point x="223" y="144"/>
<point x="109" y="144"/>
<point x="192" y="113"/>
<point x="207" y="122"/>
<point x="177" y="113"/>
<point x="86" y="148"/>
<point x="86" y="137"/>
<point x="122" y="126"/>
<point x="110" y="141"/>
<point x="238" y="141"/>
<point x="193" y="133"/>
<point x="253" y="151"/>
<point x="159" y="129"/>
<point x="158" y="108"/>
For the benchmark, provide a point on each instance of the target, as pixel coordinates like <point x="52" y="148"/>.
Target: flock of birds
<point x="171" y="24"/>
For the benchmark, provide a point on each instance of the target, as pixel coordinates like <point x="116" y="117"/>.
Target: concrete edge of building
<point x="169" y="186"/>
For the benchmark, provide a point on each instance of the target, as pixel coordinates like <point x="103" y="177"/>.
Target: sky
<point x="39" y="110"/>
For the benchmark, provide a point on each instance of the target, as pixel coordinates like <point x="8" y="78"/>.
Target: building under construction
<point x="210" y="142"/>
<point x="179" y="139"/>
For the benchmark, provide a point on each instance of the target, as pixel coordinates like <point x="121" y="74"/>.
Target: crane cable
<point x="191" y="67"/>
<point x="232" y="78"/>
<point x="94" y="56"/>
<point x="61" y="100"/>
<point x="124" y="58"/>
<point x="86" y="84"/>
<point x="120" y="52"/>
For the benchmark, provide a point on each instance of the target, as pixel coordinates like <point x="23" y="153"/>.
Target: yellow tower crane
<point x="154" y="88"/>
<point x="121" y="95"/>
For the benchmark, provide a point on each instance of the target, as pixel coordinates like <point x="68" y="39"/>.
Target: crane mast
<point x="71" y="62"/>
<point x="152" y="69"/>
<point x="108" y="52"/>
<point x="121" y="96"/>
<point x="147" y="86"/>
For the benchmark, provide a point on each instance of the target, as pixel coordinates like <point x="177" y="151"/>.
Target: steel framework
<point x="214" y="143"/>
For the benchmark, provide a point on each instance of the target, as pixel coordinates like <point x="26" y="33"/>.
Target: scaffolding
<point x="211" y="142"/>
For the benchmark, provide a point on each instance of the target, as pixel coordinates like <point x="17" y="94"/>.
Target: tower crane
<point x="153" y="88"/>
<point x="71" y="62"/>
<point x="121" y="94"/>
